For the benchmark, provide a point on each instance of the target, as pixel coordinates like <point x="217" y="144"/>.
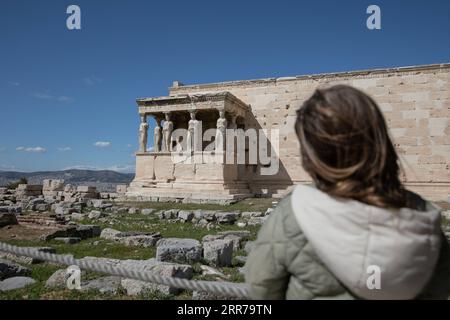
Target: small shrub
<point x="15" y="184"/>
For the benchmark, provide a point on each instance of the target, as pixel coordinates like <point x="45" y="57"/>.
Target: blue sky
<point x="67" y="98"/>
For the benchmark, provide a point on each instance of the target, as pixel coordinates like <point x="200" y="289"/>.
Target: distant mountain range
<point x="104" y="180"/>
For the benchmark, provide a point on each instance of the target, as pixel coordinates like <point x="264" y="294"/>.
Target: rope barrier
<point x="223" y="289"/>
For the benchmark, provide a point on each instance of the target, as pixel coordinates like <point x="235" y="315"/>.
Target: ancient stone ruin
<point x="415" y="102"/>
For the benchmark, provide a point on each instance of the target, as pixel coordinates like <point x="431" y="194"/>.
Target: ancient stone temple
<point x="192" y="120"/>
<point x="195" y="174"/>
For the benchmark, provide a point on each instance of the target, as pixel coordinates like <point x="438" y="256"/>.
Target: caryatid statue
<point x="167" y="133"/>
<point x="143" y="129"/>
<point x="221" y="131"/>
<point x="157" y="135"/>
<point x="192" y="131"/>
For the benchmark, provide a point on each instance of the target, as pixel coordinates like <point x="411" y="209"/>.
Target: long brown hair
<point x="346" y="148"/>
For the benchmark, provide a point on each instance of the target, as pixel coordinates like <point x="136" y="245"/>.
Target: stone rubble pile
<point x="208" y="218"/>
<point x="72" y="213"/>
<point x="73" y="202"/>
<point x="13" y="276"/>
<point x="28" y="190"/>
<point x="30" y="197"/>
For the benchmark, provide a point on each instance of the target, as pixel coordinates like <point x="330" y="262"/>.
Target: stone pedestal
<point x="159" y="178"/>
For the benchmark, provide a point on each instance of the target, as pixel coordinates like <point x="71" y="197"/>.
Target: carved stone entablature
<point x="220" y="100"/>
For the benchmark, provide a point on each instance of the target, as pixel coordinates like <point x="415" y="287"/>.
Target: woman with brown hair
<point x="357" y="232"/>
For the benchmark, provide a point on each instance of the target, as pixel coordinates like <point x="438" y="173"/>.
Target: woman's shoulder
<point x="281" y="222"/>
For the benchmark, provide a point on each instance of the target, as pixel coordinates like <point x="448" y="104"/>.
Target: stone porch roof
<point x="185" y="102"/>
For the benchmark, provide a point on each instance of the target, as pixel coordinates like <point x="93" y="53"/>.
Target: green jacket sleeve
<point x="266" y="270"/>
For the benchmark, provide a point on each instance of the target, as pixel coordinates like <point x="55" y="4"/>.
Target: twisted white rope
<point x="224" y="289"/>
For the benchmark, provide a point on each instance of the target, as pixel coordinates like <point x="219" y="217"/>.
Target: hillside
<point x="104" y="180"/>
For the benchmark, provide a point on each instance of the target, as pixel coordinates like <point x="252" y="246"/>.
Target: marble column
<point x="143" y="132"/>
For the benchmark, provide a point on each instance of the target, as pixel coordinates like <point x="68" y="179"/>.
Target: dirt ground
<point x="21" y="232"/>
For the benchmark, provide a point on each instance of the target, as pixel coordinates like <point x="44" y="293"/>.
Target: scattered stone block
<point x="218" y="252"/>
<point x="88" y="231"/>
<point x="236" y="241"/>
<point x="106" y="285"/>
<point x="59" y="233"/>
<point x="185" y="215"/>
<point x="204" y="295"/>
<point x="99" y="203"/>
<point x="243" y="234"/>
<point x="42" y="207"/>
<point x="95" y="214"/>
<point x="28" y="190"/>
<point x="86" y="189"/>
<point x="122" y="210"/>
<point x="59" y="208"/>
<point x="76" y="216"/>
<point x="170" y="214"/>
<point x="138" y="239"/>
<point x="15" y="283"/>
<point x="147" y="211"/>
<point x="105" y="261"/>
<point x="136" y="287"/>
<point x="51" y="187"/>
<point x="210" y="271"/>
<point x="68" y="240"/>
<point x="212" y="237"/>
<point x="104" y="195"/>
<point x="209" y="215"/>
<point x="133" y="210"/>
<point x="70" y="188"/>
<point x="26" y="260"/>
<point x="30" y="187"/>
<point x="79" y="231"/>
<point x="255" y="221"/>
<point x="178" y="250"/>
<point x="250" y="214"/>
<point x="109" y="234"/>
<point x="10" y="269"/>
<point x="7" y="219"/>
<point x="236" y="237"/>
<point x="226" y="217"/>
<point x="58" y="280"/>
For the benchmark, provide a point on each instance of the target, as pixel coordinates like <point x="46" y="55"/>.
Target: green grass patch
<point x="250" y="204"/>
<point x="167" y="228"/>
<point x="104" y="249"/>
